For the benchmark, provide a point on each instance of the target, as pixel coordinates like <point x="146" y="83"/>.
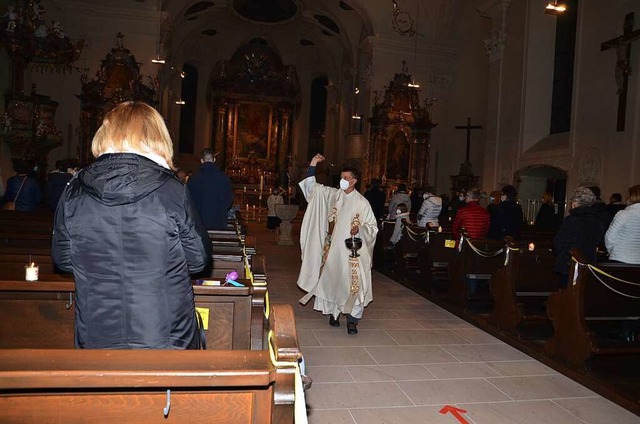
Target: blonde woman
<point x="127" y="229"/>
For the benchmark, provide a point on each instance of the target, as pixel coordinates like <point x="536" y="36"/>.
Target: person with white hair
<point x="582" y="229"/>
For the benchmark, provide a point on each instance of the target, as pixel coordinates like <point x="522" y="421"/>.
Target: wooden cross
<point x="622" y="44"/>
<point x="468" y="127"/>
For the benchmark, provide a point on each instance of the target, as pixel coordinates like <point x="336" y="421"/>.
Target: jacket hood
<point x="122" y="178"/>
<point x="434" y="199"/>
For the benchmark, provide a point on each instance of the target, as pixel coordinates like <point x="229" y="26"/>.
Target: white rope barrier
<point x="482" y="253"/>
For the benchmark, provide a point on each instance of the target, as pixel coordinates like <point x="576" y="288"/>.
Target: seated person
<point x="582" y="229"/>
<point x="402" y="218"/>
<point x="623" y="236"/>
<point x="400" y="196"/>
<point x="512" y="215"/>
<point x="430" y="209"/>
<point x="58" y="179"/>
<point x="473" y="217"/>
<point x="615" y="205"/>
<point x="22" y="189"/>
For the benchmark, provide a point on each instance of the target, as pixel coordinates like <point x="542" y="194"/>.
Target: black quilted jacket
<point x="127" y="229"/>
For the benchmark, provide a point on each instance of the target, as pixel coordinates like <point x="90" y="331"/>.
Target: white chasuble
<point x="338" y="282"/>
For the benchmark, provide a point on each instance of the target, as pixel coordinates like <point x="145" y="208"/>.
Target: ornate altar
<point x="398" y="149"/>
<point x="28" y="122"/>
<point x="255" y="99"/>
<point x="117" y="80"/>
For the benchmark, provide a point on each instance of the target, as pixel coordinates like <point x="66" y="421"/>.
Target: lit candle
<point x="261" y="183"/>
<point x="31" y="272"/>
<point x="532" y="247"/>
<point x="245" y="189"/>
<point x="247" y="208"/>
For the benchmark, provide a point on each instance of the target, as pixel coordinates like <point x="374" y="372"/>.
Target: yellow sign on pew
<point x="451" y="244"/>
<point x="204" y="314"/>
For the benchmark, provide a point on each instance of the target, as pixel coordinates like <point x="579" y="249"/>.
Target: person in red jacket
<point x="473" y="217"/>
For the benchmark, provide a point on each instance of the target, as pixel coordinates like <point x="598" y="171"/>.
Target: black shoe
<point x="333" y="322"/>
<point x="352" y="328"/>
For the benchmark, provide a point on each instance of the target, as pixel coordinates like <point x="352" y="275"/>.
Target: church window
<point x="317" y="115"/>
<point x="565" y="50"/>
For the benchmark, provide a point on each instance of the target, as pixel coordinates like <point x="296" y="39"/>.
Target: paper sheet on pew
<point x="451" y="244"/>
<point x="204" y="314"/>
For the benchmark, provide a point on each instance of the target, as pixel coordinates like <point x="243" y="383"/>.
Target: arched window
<point x="563" y="68"/>
<point x="317" y="115"/>
<point x="189" y="95"/>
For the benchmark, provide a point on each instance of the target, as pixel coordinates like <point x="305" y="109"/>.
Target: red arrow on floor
<point x="456" y="412"/>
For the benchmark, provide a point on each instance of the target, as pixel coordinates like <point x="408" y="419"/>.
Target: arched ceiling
<point x="325" y="33"/>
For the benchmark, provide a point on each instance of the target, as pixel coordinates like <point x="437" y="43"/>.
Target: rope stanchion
<point x="421" y="235"/>
<point x="595" y="271"/>
<point x="480" y="252"/>
<point x="609" y="287"/>
<point x="510" y="249"/>
<point x="300" y="405"/>
<point x="599" y="271"/>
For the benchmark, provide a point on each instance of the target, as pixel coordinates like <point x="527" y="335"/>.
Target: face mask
<point x="398" y="211"/>
<point x="425" y="196"/>
<point x="461" y="198"/>
<point x="491" y="199"/>
<point x="344" y="184"/>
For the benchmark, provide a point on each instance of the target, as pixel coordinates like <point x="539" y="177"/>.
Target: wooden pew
<point x="525" y="280"/>
<point x="408" y="252"/>
<point x="467" y="263"/>
<point x="133" y="385"/>
<point x="41" y="315"/>
<point x="435" y="260"/>
<point x="586" y="301"/>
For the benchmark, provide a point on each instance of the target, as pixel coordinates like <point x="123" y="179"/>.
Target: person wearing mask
<point x="275" y="198"/>
<point x="341" y="284"/>
<point x="127" y="229"/>
<point x="623" y="236"/>
<point x="512" y="216"/>
<point x="430" y="209"/>
<point x="457" y="203"/>
<point x="582" y="228"/>
<point x="402" y="218"/>
<point x="211" y="191"/>
<point x="376" y="198"/>
<point x="473" y="218"/>
<point x="58" y="180"/>
<point x="400" y="196"/>
<point x="22" y="193"/>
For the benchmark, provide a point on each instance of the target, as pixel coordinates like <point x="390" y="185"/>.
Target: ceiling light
<point x="357" y="90"/>
<point x="356" y="117"/>
<point x="182" y="74"/>
<point x="158" y="60"/>
<point x="181" y="102"/>
<point x="413" y="85"/>
<point x="553" y="8"/>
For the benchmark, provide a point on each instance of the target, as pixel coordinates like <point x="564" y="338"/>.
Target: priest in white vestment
<point x="341" y="284"/>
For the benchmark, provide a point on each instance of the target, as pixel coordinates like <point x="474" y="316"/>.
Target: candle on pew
<point x="31" y="272"/>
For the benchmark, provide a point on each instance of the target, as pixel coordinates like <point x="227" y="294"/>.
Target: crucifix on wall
<point x="622" y="44"/>
<point x="469" y="128"/>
